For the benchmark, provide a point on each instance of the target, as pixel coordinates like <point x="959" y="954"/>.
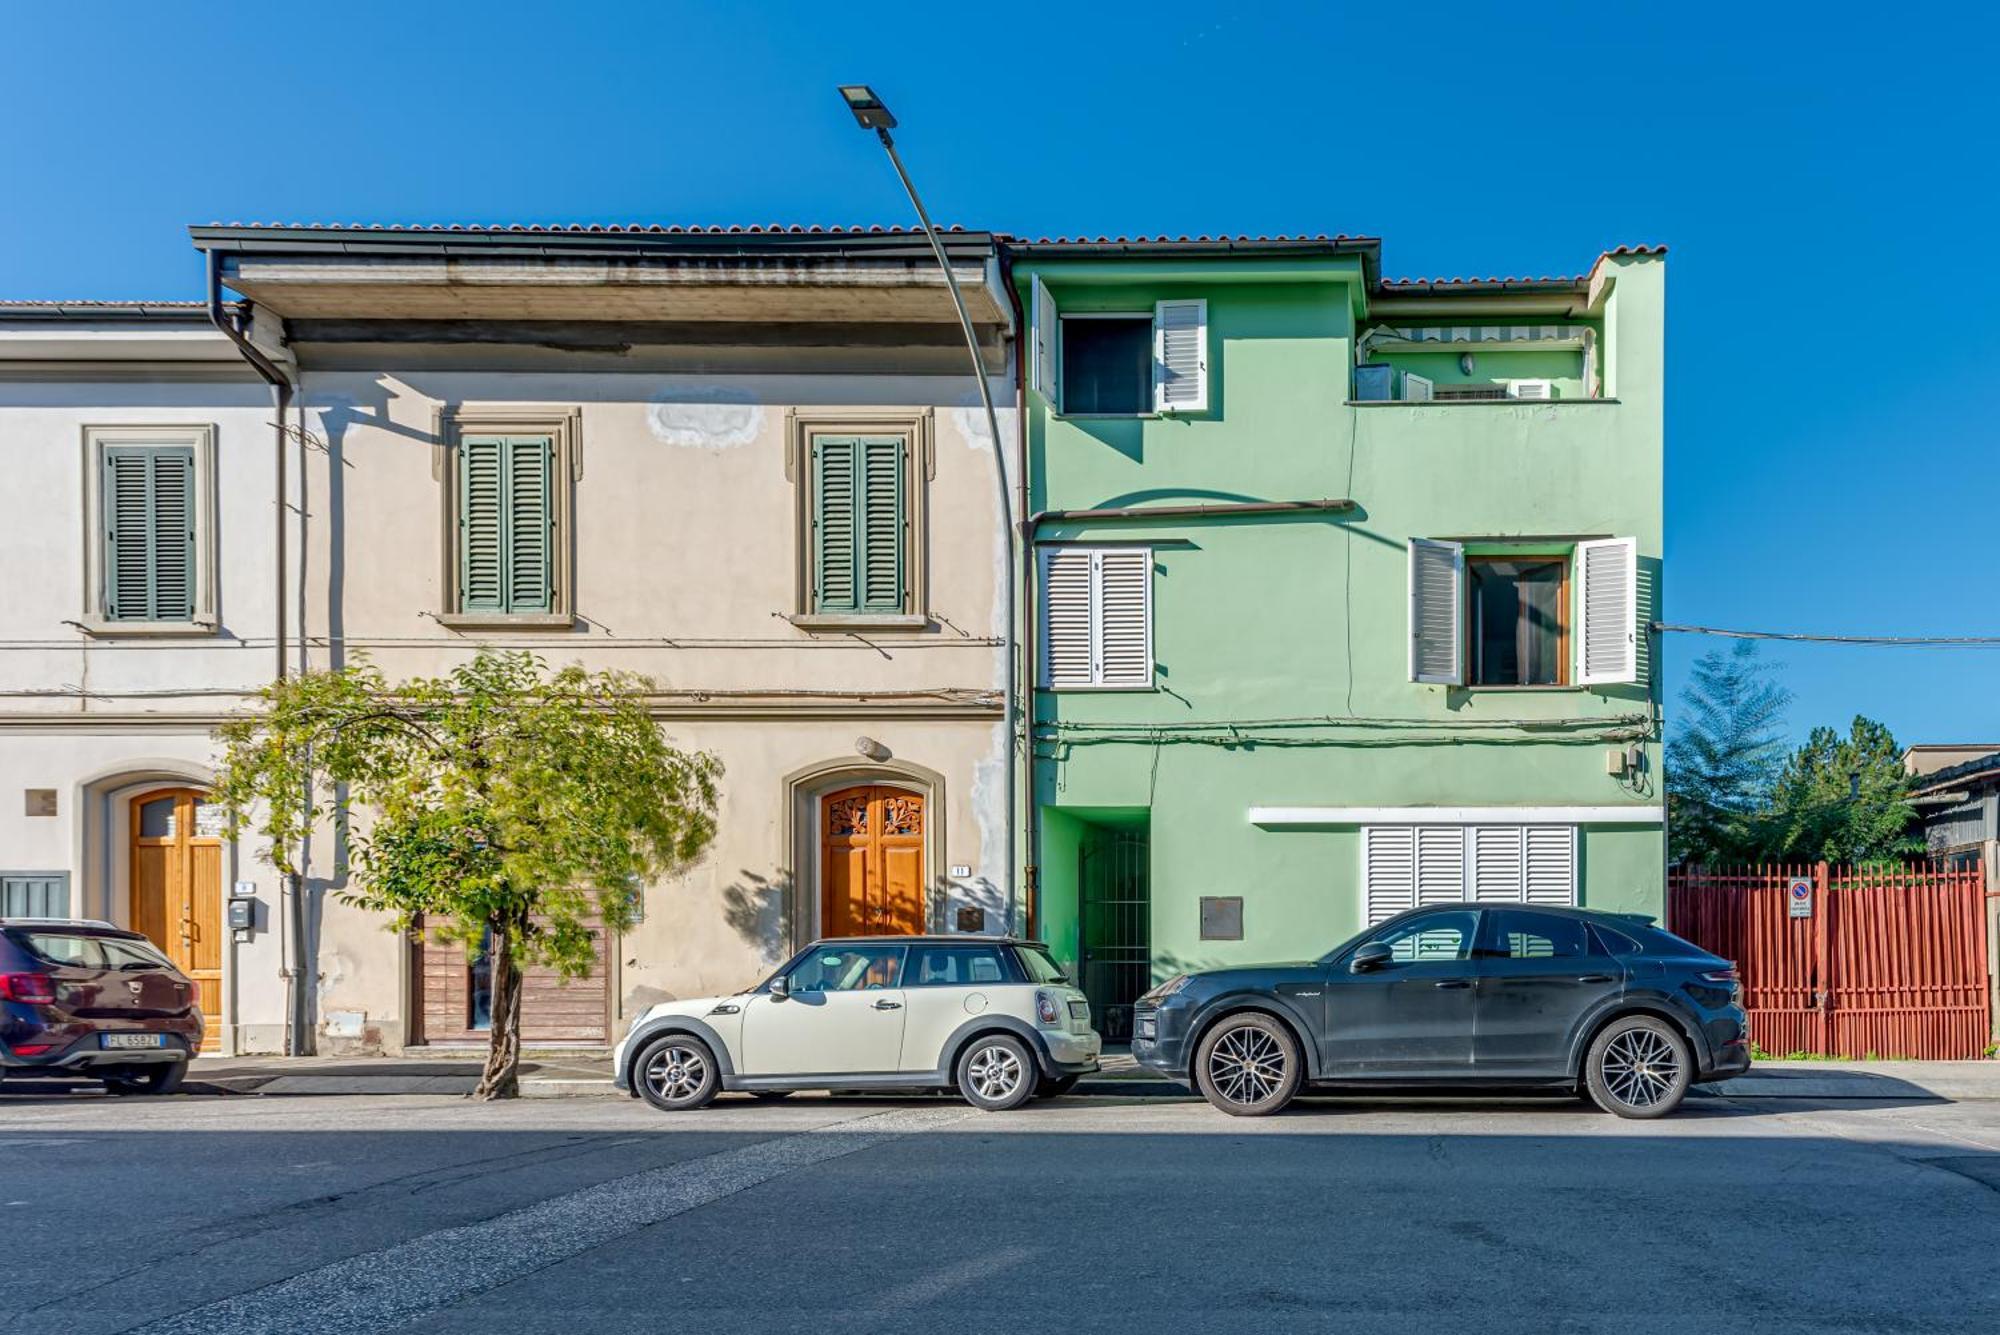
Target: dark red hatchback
<point x="85" y="1000"/>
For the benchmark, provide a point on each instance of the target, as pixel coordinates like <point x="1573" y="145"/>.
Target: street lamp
<point x="871" y="114"/>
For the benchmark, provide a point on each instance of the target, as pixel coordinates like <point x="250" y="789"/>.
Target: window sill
<point x="1107" y="417"/>
<point x="1095" y="690"/>
<point x="100" y="629"/>
<point x="838" y="622"/>
<point x="1478" y="403"/>
<point x="506" y="621"/>
<point x="1521" y="690"/>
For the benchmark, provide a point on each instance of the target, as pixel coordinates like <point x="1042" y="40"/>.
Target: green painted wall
<point x="1282" y="643"/>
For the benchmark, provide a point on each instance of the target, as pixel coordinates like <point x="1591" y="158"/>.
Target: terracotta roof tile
<point x="1490" y="284"/>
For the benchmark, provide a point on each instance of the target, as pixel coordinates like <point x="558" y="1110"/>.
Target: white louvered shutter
<point x="1042" y="337"/>
<point x="1388" y="870"/>
<point x="1498" y="864"/>
<point x="1437" y="611"/>
<point x="1608" y="612"/>
<point x="1180" y="357"/>
<point x="1440" y="864"/>
<point x="1066" y="619"/>
<point x="1551" y="864"/>
<point x="1124" y="617"/>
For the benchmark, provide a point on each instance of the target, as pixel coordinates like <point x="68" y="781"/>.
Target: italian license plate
<point x="132" y="1040"/>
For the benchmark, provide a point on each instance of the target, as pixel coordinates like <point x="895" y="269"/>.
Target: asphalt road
<point x="240" y="1214"/>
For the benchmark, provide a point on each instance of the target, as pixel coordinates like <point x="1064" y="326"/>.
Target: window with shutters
<point x="1404" y="866"/>
<point x="1126" y="364"/>
<point x="34" y="894"/>
<point x="508" y="480"/>
<point x="150" y="548"/>
<point x="1514" y="617"/>
<point x="860" y="477"/>
<point x="1096" y="618"/>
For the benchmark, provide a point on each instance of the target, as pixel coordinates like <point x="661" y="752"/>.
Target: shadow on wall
<point x="758" y="909"/>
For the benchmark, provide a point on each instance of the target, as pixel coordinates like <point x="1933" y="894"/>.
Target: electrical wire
<point x="1889" y="641"/>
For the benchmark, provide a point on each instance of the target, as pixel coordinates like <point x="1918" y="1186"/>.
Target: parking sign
<point x="1798" y="898"/>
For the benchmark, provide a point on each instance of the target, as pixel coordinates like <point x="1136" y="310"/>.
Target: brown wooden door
<point x="453" y="991"/>
<point x="177" y="890"/>
<point x="872" y="862"/>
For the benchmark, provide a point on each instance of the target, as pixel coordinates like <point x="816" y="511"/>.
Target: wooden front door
<point x="177" y="890"/>
<point x="872" y="862"/>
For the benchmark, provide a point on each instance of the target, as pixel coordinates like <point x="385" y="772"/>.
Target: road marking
<point x="34" y="1142"/>
<point x="934" y="1286"/>
<point x="380" y="1289"/>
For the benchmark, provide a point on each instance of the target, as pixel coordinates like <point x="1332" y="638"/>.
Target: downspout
<point x="291" y="925"/>
<point x="1024" y="662"/>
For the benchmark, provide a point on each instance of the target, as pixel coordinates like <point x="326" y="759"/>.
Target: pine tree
<point x="1724" y="757"/>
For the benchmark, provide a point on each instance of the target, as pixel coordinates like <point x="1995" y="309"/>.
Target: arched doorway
<point x="872" y="863"/>
<point x="176" y="885"/>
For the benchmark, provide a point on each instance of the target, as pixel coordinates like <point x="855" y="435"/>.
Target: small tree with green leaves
<point x="501" y="804"/>
<point x="1724" y="755"/>
<point x="1842" y="799"/>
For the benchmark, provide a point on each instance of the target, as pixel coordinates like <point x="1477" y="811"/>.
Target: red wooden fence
<point x="1891" y="963"/>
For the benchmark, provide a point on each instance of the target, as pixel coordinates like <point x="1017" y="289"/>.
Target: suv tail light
<point x="33" y="989"/>
<point x="1721" y="976"/>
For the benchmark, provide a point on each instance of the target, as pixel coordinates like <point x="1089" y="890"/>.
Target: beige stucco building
<point x="749" y="465"/>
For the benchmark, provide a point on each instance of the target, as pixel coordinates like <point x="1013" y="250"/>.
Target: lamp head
<point x="869" y="113"/>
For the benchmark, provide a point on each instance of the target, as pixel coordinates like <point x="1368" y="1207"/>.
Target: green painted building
<point x="1338" y="595"/>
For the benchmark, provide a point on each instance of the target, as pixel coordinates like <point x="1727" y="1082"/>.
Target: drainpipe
<point x="1031" y="871"/>
<point x="291" y="925"/>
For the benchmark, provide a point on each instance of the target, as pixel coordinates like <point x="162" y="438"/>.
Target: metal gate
<point x="1888" y="962"/>
<point x="1115" y="928"/>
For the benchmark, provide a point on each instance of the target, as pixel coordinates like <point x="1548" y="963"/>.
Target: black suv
<point x="84" y="999"/>
<point x="1477" y="996"/>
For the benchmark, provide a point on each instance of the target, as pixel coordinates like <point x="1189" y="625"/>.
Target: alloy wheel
<point x="1640" y="1068"/>
<point x="1247" y="1065"/>
<point x="676" y="1072"/>
<point x="995" y="1072"/>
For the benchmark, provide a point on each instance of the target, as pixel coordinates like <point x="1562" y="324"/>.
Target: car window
<point x="1039" y="966"/>
<point x="1616" y="942"/>
<point x="848" y="969"/>
<point x="77" y="952"/>
<point x="1432" y="936"/>
<point x="1514" y="935"/>
<point x="132" y="955"/>
<point x="955" y="966"/>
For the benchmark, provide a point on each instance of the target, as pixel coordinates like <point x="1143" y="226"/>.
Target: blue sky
<point x="1826" y="183"/>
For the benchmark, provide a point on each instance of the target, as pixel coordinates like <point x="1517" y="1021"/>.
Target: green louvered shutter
<point x="149" y="519"/>
<point x="834" y="536"/>
<point x="506" y="524"/>
<point x="859" y="525"/>
<point x="481" y="524"/>
<point x="881" y="559"/>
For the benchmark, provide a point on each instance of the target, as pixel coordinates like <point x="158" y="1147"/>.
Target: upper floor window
<point x="1524" y="619"/>
<point x="151" y="527"/>
<point x="1120" y="363"/>
<point x="1097" y="618"/>
<point x="861" y="488"/>
<point x="507" y="532"/>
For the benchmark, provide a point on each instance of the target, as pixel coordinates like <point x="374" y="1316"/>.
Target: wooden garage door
<point x="552" y="1010"/>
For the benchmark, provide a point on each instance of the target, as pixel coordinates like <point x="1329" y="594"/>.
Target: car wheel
<point x="1638" y="1067"/>
<point x="1249" y="1066"/>
<point x="996" y="1073"/>
<point x="1062" y="1084"/>
<point x="164" y="1079"/>
<point x="678" y="1073"/>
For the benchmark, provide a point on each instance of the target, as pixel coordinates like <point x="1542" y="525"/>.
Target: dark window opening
<point x="1519" y="607"/>
<point x="480" y="990"/>
<point x="1107" y="365"/>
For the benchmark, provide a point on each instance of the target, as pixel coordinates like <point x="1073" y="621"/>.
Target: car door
<point x="1413" y="1016"/>
<point x="842" y="1015"/>
<point x="946" y="985"/>
<point x="1539" y="975"/>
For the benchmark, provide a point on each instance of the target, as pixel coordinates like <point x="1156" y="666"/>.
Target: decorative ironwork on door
<point x="1115" y="926"/>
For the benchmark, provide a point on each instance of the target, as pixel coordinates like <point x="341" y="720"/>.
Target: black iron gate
<point x="1115" y="927"/>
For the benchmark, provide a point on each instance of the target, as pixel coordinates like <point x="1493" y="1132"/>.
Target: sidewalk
<point x="585" y="1075"/>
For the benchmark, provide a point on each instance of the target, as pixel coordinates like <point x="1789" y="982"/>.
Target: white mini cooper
<point x="992" y="1018"/>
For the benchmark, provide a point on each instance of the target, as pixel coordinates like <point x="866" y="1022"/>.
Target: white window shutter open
<point x="1066" y="620"/>
<point x="1437" y="612"/>
<point x="1440" y="864"/>
<point x="1042" y="330"/>
<point x="1498" y="863"/>
<point x="1180" y="357"/>
<point x="1550" y="865"/>
<point x="1388" y="870"/>
<point x="1124" y="606"/>
<point x="1608" y="612"/>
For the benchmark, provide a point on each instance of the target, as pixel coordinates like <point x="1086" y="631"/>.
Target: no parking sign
<point x="1798" y="898"/>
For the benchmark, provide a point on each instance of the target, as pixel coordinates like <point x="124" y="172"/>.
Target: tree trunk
<point x="501" y="1079"/>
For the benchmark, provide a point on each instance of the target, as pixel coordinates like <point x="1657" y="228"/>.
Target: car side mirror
<point x="1370" y="957"/>
<point x="781" y="987"/>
